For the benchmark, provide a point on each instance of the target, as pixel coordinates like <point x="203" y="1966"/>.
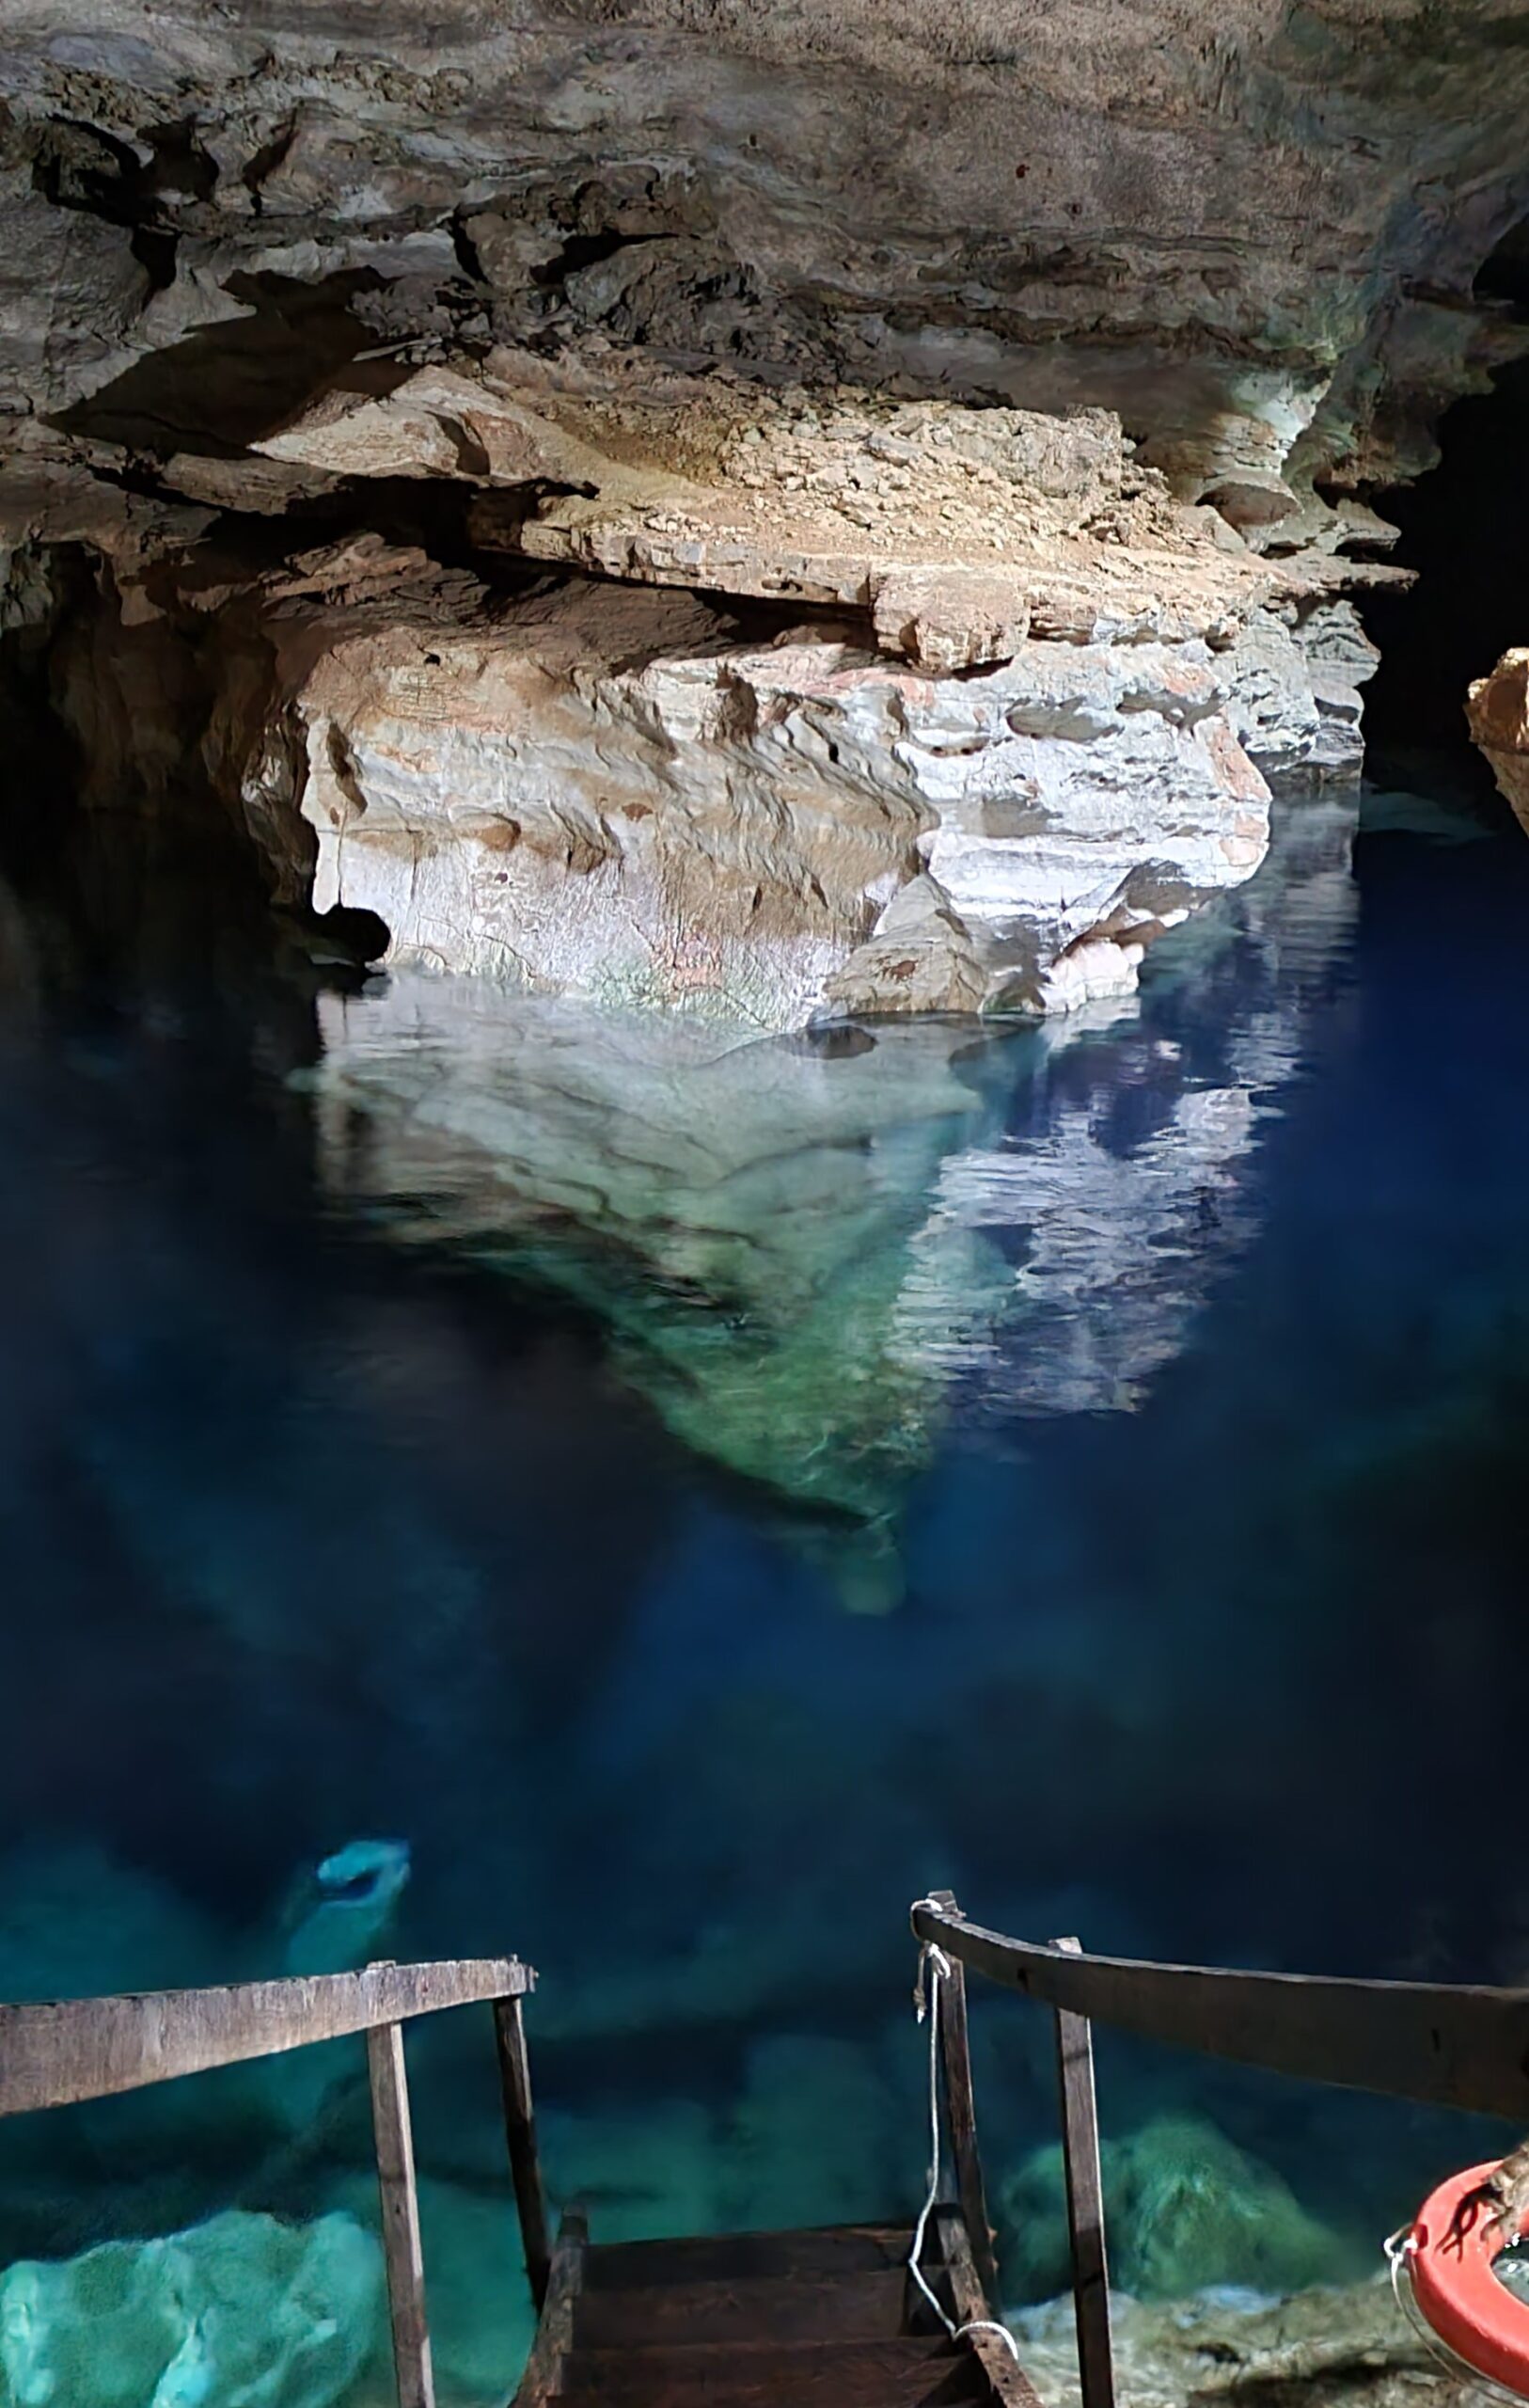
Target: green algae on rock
<point x="240" y="2312"/>
<point x="1187" y="2210"/>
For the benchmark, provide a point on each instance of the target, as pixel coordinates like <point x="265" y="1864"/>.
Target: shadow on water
<point x="437" y="1418"/>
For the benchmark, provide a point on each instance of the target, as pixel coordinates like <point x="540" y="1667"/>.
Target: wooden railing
<point x="1450" y="2045"/>
<point x="58" y="2055"/>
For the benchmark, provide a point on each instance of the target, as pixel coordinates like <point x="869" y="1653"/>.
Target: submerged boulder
<point x="1186" y="2209"/>
<point x="240" y="2312"/>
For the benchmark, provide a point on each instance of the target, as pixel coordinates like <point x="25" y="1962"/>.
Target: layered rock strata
<point x="1252" y="231"/>
<point x="973" y="585"/>
<point x="598" y="793"/>
<point x="957" y="787"/>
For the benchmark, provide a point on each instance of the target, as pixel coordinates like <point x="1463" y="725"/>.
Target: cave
<point x="760" y="1141"/>
<point x="1463" y="530"/>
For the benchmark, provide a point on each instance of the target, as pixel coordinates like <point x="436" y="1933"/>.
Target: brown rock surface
<point x="1497" y="714"/>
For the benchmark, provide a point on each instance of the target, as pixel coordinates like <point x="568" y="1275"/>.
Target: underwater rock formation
<point x="75" y="1923"/>
<point x="1186" y="2211"/>
<point x="339" y="1913"/>
<point x="240" y="2312"/>
<point x="1497" y="713"/>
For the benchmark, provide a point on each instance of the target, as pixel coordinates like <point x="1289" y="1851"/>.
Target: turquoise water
<point x="688" y="1499"/>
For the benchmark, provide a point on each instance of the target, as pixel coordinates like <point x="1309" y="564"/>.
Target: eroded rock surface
<point x="1035" y="420"/>
<point x="1245" y="230"/>
<point x="593" y="792"/>
<point x="1498" y="715"/>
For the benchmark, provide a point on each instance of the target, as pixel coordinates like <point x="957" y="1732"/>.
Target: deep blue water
<point x="1083" y="1468"/>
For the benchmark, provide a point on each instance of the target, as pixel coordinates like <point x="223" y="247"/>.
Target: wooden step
<point x="844" y="2374"/>
<point x="831" y="2250"/>
<point x="699" y="2368"/>
<point x="867" y="2305"/>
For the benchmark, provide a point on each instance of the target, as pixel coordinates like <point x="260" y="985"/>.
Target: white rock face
<point x="595" y="793"/>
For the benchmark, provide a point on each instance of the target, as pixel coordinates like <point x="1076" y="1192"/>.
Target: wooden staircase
<point x="790" y="2320"/>
<point x="826" y="2318"/>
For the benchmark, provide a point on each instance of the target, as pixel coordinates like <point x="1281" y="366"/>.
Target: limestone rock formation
<point x="1252" y="231"/>
<point x="1498" y="715"/>
<point x="890" y="476"/>
<point x="960" y="529"/>
<point x="591" y="792"/>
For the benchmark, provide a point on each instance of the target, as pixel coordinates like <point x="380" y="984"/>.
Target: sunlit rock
<point x="241" y="2312"/>
<point x="1498" y="715"/>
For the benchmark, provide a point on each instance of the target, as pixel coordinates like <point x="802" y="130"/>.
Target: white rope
<point x="926" y="2004"/>
<point x="1400" y="2248"/>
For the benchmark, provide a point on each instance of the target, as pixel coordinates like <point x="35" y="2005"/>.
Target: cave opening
<point x="1464" y="532"/>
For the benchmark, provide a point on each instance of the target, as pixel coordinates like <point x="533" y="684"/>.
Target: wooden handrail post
<point x="400" y="2197"/>
<point x="1086" y="2203"/>
<point x="961" y="2109"/>
<point x="520" y="2133"/>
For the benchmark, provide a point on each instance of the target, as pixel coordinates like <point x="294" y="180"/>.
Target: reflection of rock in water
<point x="738" y="1214"/>
<point x="799" y="1243"/>
<point x="1127" y="1188"/>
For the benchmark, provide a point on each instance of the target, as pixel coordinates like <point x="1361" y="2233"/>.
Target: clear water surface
<point x="687" y="1500"/>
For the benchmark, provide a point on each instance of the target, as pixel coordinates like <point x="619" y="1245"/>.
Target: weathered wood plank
<point x="722" y="2257"/>
<point x="548" y="2360"/>
<point x="864" y="2306"/>
<point x="1085" y="2202"/>
<point x="520" y="2133"/>
<point x="1457" y="2045"/>
<point x="401" y="2252"/>
<point x="1007" y="2381"/>
<point x="961" y="2109"/>
<point x="68" y="2049"/>
<point x="850" y="2374"/>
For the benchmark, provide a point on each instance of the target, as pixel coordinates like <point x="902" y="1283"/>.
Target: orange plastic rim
<point x="1454" y="2284"/>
